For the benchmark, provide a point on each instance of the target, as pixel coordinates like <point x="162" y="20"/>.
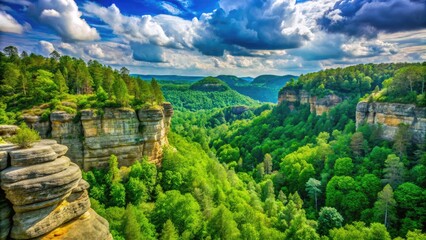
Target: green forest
<point x="31" y="82"/>
<point x="239" y="169"/>
<point x="208" y="93"/>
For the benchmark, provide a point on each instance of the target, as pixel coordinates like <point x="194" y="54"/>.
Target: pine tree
<point x="267" y="163"/>
<point x="169" y="231"/>
<point x="385" y="205"/>
<point x="156" y="89"/>
<point x="132" y="228"/>
<point x="60" y="82"/>
<point x="312" y="187"/>
<point x="120" y="92"/>
<point x="394" y="170"/>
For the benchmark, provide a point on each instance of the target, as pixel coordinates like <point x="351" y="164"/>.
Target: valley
<point x="341" y="152"/>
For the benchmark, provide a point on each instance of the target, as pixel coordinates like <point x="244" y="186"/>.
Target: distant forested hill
<point x="207" y="93"/>
<point x="170" y="78"/>
<point x="263" y="88"/>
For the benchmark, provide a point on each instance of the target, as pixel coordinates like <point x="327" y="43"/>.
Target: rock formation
<point x="48" y="195"/>
<point x="93" y="137"/>
<point x="317" y="105"/>
<point x="8" y="130"/>
<point x="391" y="115"/>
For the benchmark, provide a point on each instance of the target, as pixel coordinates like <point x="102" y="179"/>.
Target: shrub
<point x="25" y="137"/>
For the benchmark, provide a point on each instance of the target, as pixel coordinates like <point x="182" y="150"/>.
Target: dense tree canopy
<point x="67" y="84"/>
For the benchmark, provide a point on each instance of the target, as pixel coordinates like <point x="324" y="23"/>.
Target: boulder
<point x="36" y="223"/>
<point x="44" y="188"/>
<point x="15" y="174"/>
<point x="46" y="191"/>
<point x="88" y="226"/>
<point x="31" y="156"/>
<point x="59" y="149"/>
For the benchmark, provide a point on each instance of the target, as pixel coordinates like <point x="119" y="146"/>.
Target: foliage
<point x="184" y="98"/>
<point x="25" y="137"/>
<point x="329" y="218"/>
<point x="210" y="84"/>
<point x="385" y="205"/>
<point x="67" y="84"/>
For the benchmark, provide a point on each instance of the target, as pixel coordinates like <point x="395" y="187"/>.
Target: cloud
<point x="147" y="52"/>
<point x="64" y="17"/>
<point x="45" y="47"/>
<point x="146" y="33"/>
<point x="237" y="27"/>
<point x="95" y="51"/>
<point x="9" y="24"/>
<point x="18" y="2"/>
<point x="368" y="48"/>
<point x="171" y="8"/>
<point x="369" y="17"/>
<point x="253" y="25"/>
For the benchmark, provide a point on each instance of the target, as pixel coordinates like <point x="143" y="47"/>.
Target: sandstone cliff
<point x="317" y="105"/>
<point x="124" y="132"/>
<point x="47" y="194"/>
<point x="390" y="115"/>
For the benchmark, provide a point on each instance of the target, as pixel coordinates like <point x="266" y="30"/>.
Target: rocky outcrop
<point x="8" y="130"/>
<point x="94" y="136"/>
<point x="48" y="196"/>
<point x="5" y="206"/>
<point x="391" y="115"/>
<point x="317" y="105"/>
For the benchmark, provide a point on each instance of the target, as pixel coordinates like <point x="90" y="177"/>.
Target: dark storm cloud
<point x="369" y="17"/>
<point x="252" y="25"/>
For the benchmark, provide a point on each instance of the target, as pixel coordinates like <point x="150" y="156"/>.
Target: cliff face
<point x="47" y="194"/>
<point x="317" y="105"/>
<point x="390" y="115"/>
<point x="126" y="133"/>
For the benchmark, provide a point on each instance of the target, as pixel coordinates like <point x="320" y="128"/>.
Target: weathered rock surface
<point x="3" y="160"/>
<point x="47" y="193"/>
<point x="88" y="224"/>
<point x="8" y="130"/>
<point x="5" y="207"/>
<point x="92" y="139"/>
<point x="391" y="115"/>
<point x="317" y="105"/>
<point x="34" y="155"/>
<point x="6" y="213"/>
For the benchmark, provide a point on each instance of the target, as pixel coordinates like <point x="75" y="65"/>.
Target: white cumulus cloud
<point x="64" y="17"/>
<point x="45" y="47"/>
<point x="9" y="24"/>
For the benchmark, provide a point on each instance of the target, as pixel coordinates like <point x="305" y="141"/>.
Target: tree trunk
<point x="316" y="202"/>
<point x="386" y="215"/>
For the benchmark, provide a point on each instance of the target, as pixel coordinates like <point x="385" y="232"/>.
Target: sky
<point x="212" y="37"/>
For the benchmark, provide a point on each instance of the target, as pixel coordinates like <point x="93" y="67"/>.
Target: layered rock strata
<point x="6" y="211"/>
<point x="317" y="105"/>
<point x="47" y="193"/>
<point x="391" y="115"/>
<point x="8" y="130"/>
<point x="124" y="132"/>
